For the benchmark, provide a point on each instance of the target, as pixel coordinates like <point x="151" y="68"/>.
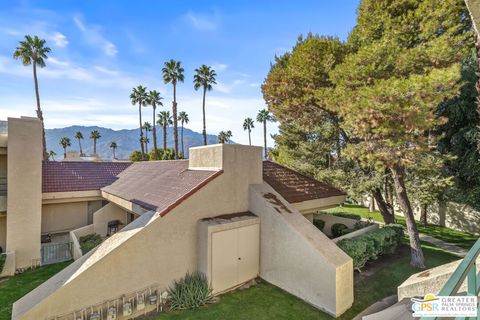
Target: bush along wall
<point x="190" y="292"/>
<point x="371" y="245"/>
<point x="89" y="242"/>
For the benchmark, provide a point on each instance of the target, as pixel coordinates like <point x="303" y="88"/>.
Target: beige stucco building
<point x="223" y="212"/>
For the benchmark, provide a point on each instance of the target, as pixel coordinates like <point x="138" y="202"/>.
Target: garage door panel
<point x="248" y="252"/>
<point x="224" y="260"/>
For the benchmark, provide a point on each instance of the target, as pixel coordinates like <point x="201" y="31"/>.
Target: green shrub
<point x="89" y="242"/>
<point x="3" y="257"/>
<point x="339" y="229"/>
<point x="319" y="223"/>
<point x="347" y="215"/>
<point x="362" y="224"/>
<point x="169" y="154"/>
<point x="190" y="292"/>
<point x="371" y="245"/>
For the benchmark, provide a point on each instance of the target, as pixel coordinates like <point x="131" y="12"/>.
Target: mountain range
<point x="126" y="139"/>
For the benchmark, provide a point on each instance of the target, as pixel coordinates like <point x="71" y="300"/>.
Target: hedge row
<point x="347" y="215"/>
<point x="89" y="242"/>
<point x="371" y="245"/>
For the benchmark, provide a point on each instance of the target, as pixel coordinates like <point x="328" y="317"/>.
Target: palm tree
<point x="154" y="99"/>
<point x="173" y="73"/>
<point x="204" y="78"/>
<point x="183" y="117"/>
<point x="164" y="120"/>
<point x="139" y="96"/>
<point x="94" y="135"/>
<point x="114" y="147"/>
<point x="51" y="155"/>
<point x="263" y="116"/>
<point x="248" y="125"/>
<point x="147" y="127"/>
<point x="33" y="51"/>
<point x="224" y="136"/>
<point x="79" y="136"/>
<point x="65" y="142"/>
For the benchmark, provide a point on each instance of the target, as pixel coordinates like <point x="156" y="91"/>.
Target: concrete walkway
<point x="461" y="252"/>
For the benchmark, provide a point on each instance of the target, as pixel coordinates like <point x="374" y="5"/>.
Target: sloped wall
<point x="298" y="257"/>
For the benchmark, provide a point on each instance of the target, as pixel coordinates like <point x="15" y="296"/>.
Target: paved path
<point x="461" y="252"/>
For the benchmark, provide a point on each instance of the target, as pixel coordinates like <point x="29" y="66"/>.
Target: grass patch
<point x="263" y="301"/>
<point x="16" y="287"/>
<point x="459" y="238"/>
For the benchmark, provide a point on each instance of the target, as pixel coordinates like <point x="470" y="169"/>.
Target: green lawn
<point x="16" y="287"/>
<point x="458" y="238"/>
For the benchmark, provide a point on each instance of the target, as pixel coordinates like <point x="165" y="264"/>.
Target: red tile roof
<point x="294" y="186"/>
<point x="159" y="185"/>
<point x="79" y="176"/>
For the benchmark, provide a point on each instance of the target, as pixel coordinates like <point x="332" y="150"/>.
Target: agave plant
<point x="190" y="292"/>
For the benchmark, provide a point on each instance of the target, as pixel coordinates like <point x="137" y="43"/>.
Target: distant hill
<point x="126" y="139"/>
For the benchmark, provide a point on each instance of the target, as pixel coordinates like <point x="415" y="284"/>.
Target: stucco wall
<point x="104" y="215"/>
<point x="298" y="257"/>
<point x="450" y="214"/>
<point x="144" y="253"/>
<point x="24" y="201"/>
<point x="64" y="216"/>
<point x="3" y="232"/>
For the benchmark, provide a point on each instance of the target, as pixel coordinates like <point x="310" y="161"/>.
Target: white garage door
<point x="235" y="257"/>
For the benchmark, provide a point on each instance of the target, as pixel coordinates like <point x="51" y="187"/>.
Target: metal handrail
<point x="466" y="269"/>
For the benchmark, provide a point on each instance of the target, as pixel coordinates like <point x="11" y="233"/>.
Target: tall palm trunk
<point x="265" y="138"/>
<point x="64" y="152"/>
<point x="175" y="123"/>
<point x="146" y="141"/>
<point x="417" y="258"/>
<point x="249" y="138"/>
<point x="94" y="146"/>
<point x="183" y="150"/>
<point x="204" y="131"/>
<point x="154" y="133"/>
<point x="80" y="145"/>
<point x="39" y="110"/>
<point x="141" y="130"/>
<point x="164" y="138"/>
<point x="113" y="149"/>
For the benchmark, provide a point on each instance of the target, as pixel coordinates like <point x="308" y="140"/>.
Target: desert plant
<point x="190" y="292"/>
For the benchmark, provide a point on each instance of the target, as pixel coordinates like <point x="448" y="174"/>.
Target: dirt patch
<point x="372" y="267"/>
<point x="276" y="202"/>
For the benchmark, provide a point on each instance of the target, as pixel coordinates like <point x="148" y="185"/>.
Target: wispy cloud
<point x="67" y="70"/>
<point x="93" y="35"/>
<point x="203" y="21"/>
<point x="219" y="67"/>
<point x="59" y="39"/>
<point x="228" y="87"/>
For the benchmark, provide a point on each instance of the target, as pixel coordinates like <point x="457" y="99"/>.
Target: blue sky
<point x="101" y="49"/>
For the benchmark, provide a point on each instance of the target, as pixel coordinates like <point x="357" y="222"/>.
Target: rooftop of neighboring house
<point x="294" y="186"/>
<point x="79" y="176"/>
<point x="159" y="185"/>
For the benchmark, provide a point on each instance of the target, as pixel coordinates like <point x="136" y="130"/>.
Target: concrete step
<point x="398" y="311"/>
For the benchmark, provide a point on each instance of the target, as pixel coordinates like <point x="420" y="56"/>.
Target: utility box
<point x="229" y="250"/>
